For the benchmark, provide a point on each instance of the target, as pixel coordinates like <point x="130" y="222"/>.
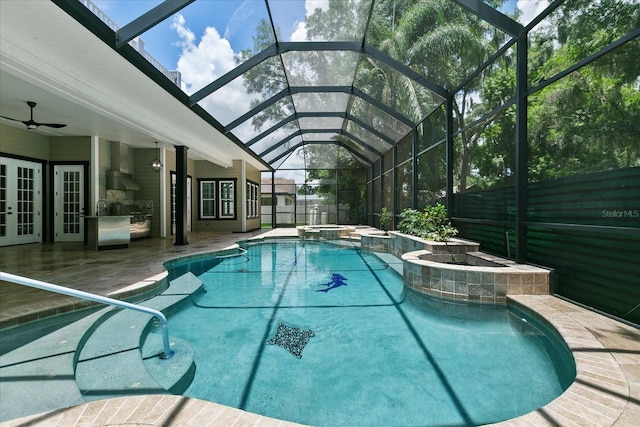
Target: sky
<point x="233" y="20"/>
<point x="202" y="39"/>
<point x="219" y="29"/>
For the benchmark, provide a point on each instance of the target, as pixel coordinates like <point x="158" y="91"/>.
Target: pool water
<point x="276" y="334"/>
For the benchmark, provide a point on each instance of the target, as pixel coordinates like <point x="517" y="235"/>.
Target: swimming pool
<point x="327" y="335"/>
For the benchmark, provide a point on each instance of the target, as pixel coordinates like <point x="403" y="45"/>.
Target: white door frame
<point x="68" y="203"/>
<point x="20" y="201"/>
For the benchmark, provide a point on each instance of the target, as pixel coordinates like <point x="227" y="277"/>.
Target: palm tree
<point x="445" y="44"/>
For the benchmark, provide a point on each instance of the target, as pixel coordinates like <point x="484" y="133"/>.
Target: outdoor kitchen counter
<point x="104" y="231"/>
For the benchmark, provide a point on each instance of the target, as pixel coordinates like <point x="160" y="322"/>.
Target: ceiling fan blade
<point x="52" y="125"/>
<point x="32" y="124"/>
<point x="9" y="118"/>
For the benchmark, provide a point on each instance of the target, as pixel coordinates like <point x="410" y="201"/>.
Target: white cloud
<point x="310" y="6"/>
<point x="300" y="33"/>
<point x="206" y="59"/>
<point x="530" y="9"/>
<point x="203" y="62"/>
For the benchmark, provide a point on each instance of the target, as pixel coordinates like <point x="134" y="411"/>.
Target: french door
<point x="68" y="199"/>
<point x="20" y="201"/>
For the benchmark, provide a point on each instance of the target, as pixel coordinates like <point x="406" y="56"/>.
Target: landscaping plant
<point x="432" y="223"/>
<point x="385" y="219"/>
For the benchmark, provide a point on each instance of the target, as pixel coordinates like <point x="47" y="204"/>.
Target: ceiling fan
<point x="32" y="124"/>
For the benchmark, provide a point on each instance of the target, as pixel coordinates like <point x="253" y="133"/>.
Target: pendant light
<point x="156" y="165"/>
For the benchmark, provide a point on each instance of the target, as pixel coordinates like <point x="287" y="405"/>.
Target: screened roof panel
<point x="276" y="164"/>
<point x="281" y="146"/>
<point x="122" y="16"/>
<point x="280" y="139"/>
<point x="273" y="138"/>
<point x="344" y="157"/>
<point x="364" y="135"/>
<point x="292" y="160"/>
<point x="359" y="152"/>
<point x="443" y="41"/>
<point x="321" y="122"/>
<point x="528" y="9"/>
<point x="238" y="96"/>
<point x="262" y="120"/>
<point x="261" y="69"/>
<point x="345" y="21"/>
<point x="395" y="90"/>
<point x="321" y="156"/>
<point x="185" y="35"/>
<point x="247" y="131"/>
<point x="320" y="101"/>
<point x="378" y="119"/>
<point x="320" y="136"/>
<point x="326" y="68"/>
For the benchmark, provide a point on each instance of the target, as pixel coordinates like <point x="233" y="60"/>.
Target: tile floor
<point x="607" y="353"/>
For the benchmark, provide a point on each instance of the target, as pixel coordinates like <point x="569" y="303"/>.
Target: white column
<point x="162" y="209"/>
<point x="94" y="171"/>
<point x="243" y="195"/>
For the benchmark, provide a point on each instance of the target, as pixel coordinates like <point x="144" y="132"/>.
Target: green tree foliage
<point x="445" y="43"/>
<point x="265" y="79"/>
<point x="589" y="120"/>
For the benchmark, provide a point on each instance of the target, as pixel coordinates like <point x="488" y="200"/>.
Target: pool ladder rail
<point x="25" y="281"/>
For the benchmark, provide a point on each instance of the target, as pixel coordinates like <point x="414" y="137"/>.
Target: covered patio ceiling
<point x="295" y="73"/>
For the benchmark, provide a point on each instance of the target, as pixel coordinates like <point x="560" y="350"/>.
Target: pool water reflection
<point x="371" y="351"/>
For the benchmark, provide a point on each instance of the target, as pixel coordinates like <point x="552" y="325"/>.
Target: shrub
<point x="385" y="218"/>
<point x="431" y="224"/>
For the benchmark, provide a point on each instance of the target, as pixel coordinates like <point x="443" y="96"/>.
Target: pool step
<point x="40" y="374"/>
<point x="391" y="260"/>
<point x="107" y="353"/>
<point x="120" y="357"/>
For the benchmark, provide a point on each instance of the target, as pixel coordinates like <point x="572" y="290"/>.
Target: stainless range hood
<point x="119" y="178"/>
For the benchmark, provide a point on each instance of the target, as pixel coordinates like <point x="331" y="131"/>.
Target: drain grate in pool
<point x="291" y="339"/>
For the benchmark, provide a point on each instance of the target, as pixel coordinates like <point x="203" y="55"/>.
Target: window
<point x="227" y="199"/>
<point x="217" y="198"/>
<point x="252" y="200"/>
<point x="207" y="199"/>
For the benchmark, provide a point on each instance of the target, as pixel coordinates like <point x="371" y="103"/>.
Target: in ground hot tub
<point x="326" y="232"/>
<point x="482" y="277"/>
<point x="458" y="270"/>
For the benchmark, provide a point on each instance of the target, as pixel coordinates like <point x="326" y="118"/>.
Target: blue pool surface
<point x="274" y="335"/>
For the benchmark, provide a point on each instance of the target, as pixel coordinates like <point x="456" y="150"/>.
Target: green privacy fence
<point x="609" y="198"/>
<point x="601" y="270"/>
<point x="585" y="227"/>
<point x="492" y="237"/>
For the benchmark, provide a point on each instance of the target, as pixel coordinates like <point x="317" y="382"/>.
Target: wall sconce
<point x="156" y="165"/>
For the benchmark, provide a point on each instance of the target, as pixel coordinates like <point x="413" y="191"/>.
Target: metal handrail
<point x="20" y="280"/>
